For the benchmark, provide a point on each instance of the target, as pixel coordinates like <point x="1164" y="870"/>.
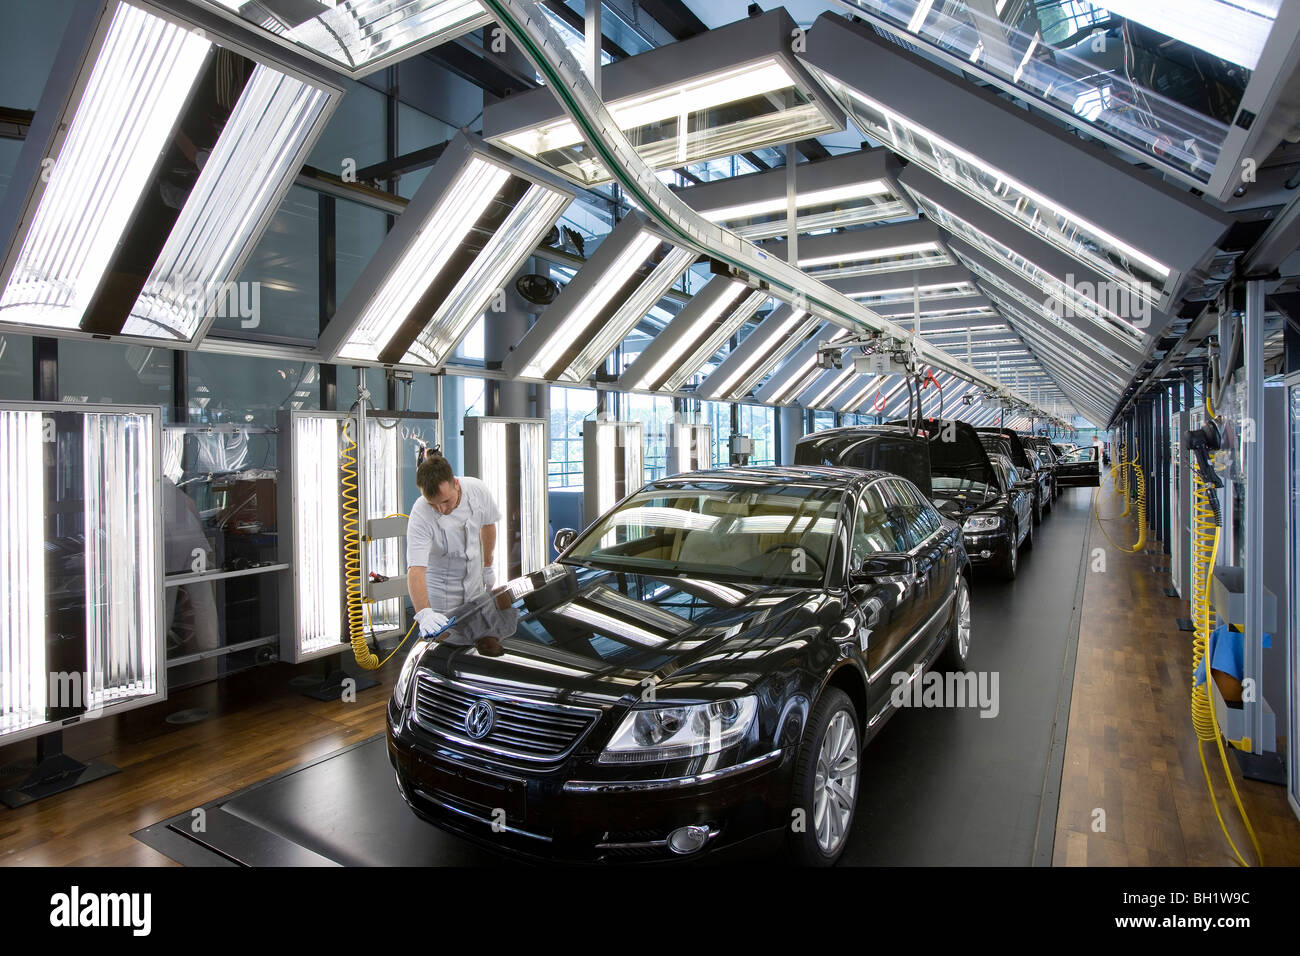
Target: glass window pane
<point x="285" y="268"/>
<point x="119" y="374"/>
<point x="243" y="390"/>
<point x="15" y="366"/>
<point x="355" y="134"/>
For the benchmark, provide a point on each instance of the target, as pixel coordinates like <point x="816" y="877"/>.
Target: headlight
<point x="407" y="672"/>
<point x="982" y="523"/>
<point x="688" y="730"/>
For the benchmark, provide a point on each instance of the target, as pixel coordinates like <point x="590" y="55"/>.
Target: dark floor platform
<point x="942" y="786"/>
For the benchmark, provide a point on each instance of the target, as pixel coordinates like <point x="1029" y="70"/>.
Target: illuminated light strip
<point x="318" y="551"/>
<point x="858" y="397"/>
<point x="803" y="200"/>
<point x="136" y="90"/>
<point x="256" y="151"/>
<point x="839" y="382"/>
<point x="702" y="93"/>
<point x="773" y="338"/>
<point x="798" y="376"/>
<point x="713" y="341"/>
<point x="1158" y="268"/>
<point x="870" y="255"/>
<point x="23" y="672"/>
<point x="440" y="235"/>
<point x="683" y="339"/>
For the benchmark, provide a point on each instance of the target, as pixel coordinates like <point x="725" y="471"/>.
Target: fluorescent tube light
<point x="737" y="89"/>
<point x="93" y="577"/>
<point x="774" y="339"/>
<point x="317" y="536"/>
<point x="713" y="340"/>
<point x="601" y="305"/>
<point x="612" y="465"/>
<point x="471" y="224"/>
<point x="136" y="90"/>
<point x="361" y="36"/>
<point x="689" y="447"/>
<point x="510" y="455"/>
<point x="670" y="358"/>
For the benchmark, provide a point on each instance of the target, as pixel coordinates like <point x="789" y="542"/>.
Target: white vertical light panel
<point x="121" y="561"/>
<point x="22" y="573"/>
<point x="119" y="570"/>
<point x="510" y="457"/>
<point x="318" y="549"/>
<point x="384" y="554"/>
<point x="610" y="450"/>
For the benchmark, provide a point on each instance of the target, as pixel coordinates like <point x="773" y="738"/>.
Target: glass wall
<point x="823" y="420"/>
<point x="569" y="408"/>
<point x="285" y="266"/>
<point x="15" y="366"/>
<point x="104" y="372"/>
<point x="656" y="414"/>
<point x="242" y="390"/>
<point x="759" y="423"/>
<point x="718" y="414"/>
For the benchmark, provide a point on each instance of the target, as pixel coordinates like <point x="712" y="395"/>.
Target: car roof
<point x="893" y="431"/>
<point x="794" y="474"/>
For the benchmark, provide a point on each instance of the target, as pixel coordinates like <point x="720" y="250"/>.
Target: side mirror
<point x="1023" y="486"/>
<point x="883" y="564"/>
<point x="563" y="538"/>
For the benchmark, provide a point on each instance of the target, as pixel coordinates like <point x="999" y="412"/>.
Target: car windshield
<point x="749" y="531"/>
<point x="1080" y="455"/>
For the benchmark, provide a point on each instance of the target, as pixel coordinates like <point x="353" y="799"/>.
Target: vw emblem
<point x="480" y="719"/>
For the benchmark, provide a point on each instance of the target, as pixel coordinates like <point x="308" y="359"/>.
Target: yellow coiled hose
<point x="357" y="610"/>
<point x="1119" y="477"/>
<point x="1205" y="720"/>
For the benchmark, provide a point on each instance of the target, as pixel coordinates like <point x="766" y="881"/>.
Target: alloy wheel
<point x="835" y="785"/>
<point x="963" y="621"/>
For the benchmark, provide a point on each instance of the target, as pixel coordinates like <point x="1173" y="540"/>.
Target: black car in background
<point x="946" y="460"/>
<point x="1080" y="468"/>
<point x="995" y="533"/>
<point x="1043" y="445"/>
<point x="699" y="667"/>
<point x="1004" y="441"/>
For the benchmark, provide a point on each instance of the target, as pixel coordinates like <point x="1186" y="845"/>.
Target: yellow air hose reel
<point x="1205" y="721"/>
<point x="357" y="610"/>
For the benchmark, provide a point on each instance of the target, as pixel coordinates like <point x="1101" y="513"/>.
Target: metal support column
<point x="1253" y="552"/>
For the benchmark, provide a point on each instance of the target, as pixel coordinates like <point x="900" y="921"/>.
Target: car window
<point x="1013" y="475"/>
<point x="910" y="510"/>
<point x="1081" y="455"/>
<point x="873" y="529"/>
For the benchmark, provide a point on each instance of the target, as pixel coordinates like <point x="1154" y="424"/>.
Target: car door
<point x="887" y="602"/>
<point x="923" y="541"/>
<point x="1081" y="468"/>
<point x="1022" y="501"/>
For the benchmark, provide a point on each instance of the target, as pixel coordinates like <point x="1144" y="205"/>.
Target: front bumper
<point x="989" y="547"/>
<point x="584" y="812"/>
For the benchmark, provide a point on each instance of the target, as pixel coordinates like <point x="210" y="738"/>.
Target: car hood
<point x="579" y="633"/>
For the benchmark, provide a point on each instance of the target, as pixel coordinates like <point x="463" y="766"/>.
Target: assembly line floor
<point x="282" y="778"/>
<point x="942" y="786"/>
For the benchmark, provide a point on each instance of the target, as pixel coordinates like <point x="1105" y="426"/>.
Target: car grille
<point x="531" y="732"/>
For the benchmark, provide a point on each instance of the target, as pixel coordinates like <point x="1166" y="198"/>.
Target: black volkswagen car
<point x="1047" y="452"/>
<point x="946" y="460"/>
<point x="698" y="672"/>
<point x="1004" y="441"/>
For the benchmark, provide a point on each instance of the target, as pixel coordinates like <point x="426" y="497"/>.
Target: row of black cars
<point x="700" y="669"/>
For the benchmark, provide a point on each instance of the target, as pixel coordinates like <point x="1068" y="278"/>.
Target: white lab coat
<point x="450" y="547"/>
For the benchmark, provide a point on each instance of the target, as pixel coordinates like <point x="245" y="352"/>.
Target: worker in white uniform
<point x="450" y="540"/>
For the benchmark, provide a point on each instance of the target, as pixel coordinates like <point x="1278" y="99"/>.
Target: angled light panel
<point x="615" y="289"/>
<point x="1144" y="235"/>
<point x="733" y="89"/>
<point x="800" y="370"/>
<point x="869" y="251"/>
<point x="693" y="336"/>
<point x="359" y="37"/>
<point x="767" y="345"/>
<point x="129" y="231"/>
<point x="848" y="190"/>
<point x="510" y="456"/>
<point x="471" y="224"/>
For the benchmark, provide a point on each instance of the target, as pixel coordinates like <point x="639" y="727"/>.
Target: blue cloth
<point x="1227" y="653"/>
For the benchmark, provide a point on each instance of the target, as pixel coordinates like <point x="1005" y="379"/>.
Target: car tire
<point x="956" y="653"/>
<point x="814" y="844"/>
<point x="1007" y="568"/>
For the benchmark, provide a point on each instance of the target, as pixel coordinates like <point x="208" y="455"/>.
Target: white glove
<point x="430" y="621"/>
<point x="489" y="577"/>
